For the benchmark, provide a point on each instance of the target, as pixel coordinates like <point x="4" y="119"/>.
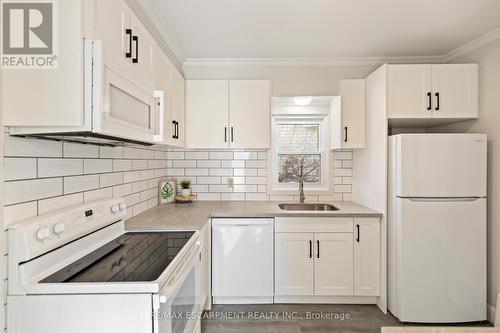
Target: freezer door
<point x="441" y="165"/>
<point x="441" y="260"/>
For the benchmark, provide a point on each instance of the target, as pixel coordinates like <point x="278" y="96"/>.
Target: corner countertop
<point x="195" y="215"/>
<point x="440" y="329"/>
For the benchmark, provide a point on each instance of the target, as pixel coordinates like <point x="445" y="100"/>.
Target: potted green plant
<point x="185" y="188"/>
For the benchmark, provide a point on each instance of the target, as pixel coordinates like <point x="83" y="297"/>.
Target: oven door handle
<point x="169" y="290"/>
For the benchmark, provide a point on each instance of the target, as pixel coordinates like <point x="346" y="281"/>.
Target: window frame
<point x="323" y="151"/>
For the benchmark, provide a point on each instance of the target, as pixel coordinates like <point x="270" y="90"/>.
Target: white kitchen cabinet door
<point x="207" y="114"/>
<point x="162" y="81"/>
<point x="178" y="106"/>
<point x="294" y="273"/>
<point x="409" y="91"/>
<point x="333" y="264"/>
<point x="455" y="91"/>
<point x="367" y="257"/>
<point x="250" y="114"/>
<point x="143" y="46"/>
<point x="112" y="27"/>
<point x="348" y="116"/>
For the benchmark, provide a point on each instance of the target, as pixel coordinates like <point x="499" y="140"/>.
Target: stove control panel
<point x="44" y="233"/>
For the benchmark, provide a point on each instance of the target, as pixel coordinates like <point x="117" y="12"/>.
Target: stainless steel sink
<point x="307" y="206"/>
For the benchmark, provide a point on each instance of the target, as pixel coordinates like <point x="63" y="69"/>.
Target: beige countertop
<point x="194" y="216"/>
<point x="421" y="329"/>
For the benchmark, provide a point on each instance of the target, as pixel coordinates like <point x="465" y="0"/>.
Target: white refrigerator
<point x="437" y="227"/>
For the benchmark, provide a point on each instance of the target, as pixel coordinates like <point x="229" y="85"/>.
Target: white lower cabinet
<point x="340" y="257"/>
<point x="294" y="274"/>
<point x="333" y="264"/>
<point x="367" y="257"/>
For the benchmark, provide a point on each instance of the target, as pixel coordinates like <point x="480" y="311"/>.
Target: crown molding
<point x="322" y="62"/>
<point x="472" y="45"/>
<point x="346" y="61"/>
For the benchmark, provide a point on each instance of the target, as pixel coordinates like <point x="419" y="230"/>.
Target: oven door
<point x="180" y="298"/>
<point x="128" y="110"/>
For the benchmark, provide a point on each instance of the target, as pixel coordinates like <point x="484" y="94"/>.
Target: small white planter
<point x="186" y="192"/>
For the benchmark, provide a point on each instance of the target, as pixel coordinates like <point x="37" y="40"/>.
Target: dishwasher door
<point x="242" y="261"/>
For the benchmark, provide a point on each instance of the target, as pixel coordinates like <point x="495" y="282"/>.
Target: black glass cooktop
<point x="134" y="256"/>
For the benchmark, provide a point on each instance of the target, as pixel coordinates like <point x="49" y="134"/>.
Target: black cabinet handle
<point x="318" y="247"/>
<point x="232" y="134"/>
<point x="357" y="227"/>
<point x="429" y="105"/>
<point x="128" y="32"/>
<point x="136" y="40"/>
<point x="310" y="249"/>
<point x="225" y="134"/>
<point x="175" y="129"/>
<point x="345" y="137"/>
<point x="437" y="98"/>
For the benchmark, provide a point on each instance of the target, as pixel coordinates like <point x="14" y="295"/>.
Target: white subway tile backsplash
<point x="149" y="194"/>
<point x="262" y="188"/>
<point x="19" y="168"/>
<point x="175" y="172"/>
<point x="245" y="155"/>
<point x="233" y="164"/>
<point x="342" y="172"/>
<point x="343" y="188"/>
<point x="48" y="205"/>
<point x="160" y="155"/>
<point x="22" y="147"/>
<point x="221" y="155"/>
<point x="139" y="208"/>
<point x="342" y="155"/>
<point x="97" y="166"/>
<point x="219" y="188"/>
<point x="245" y="172"/>
<point x="122" y="190"/>
<point x="197" y="155"/>
<point x="103" y="193"/>
<point x="199" y="188"/>
<point x="197" y="172"/>
<point x="29" y="190"/>
<point x="132" y="153"/>
<point x="122" y="165"/>
<point x="256" y="164"/>
<point x="281" y="197"/>
<point x="262" y="172"/>
<point x="236" y="180"/>
<point x="131" y="176"/>
<point x="233" y="196"/>
<point x="245" y="188"/>
<point x="221" y="172"/>
<point x="262" y="155"/>
<point x="208" y="180"/>
<point x="132" y="199"/>
<point x="110" y="152"/>
<point x="175" y="155"/>
<point x="56" y="167"/>
<point x="208" y="196"/>
<point x="80" y="150"/>
<point x="184" y="164"/>
<point x="139" y="164"/>
<point x="80" y="183"/>
<point x="16" y="213"/>
<point x="140" y="186"/>
<point x="111" y="179"/>
<point x="256" y="180"/>
<point x="208" y="164"/>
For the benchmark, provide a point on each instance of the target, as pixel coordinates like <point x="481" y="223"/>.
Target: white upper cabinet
<point x="432" y="91"/>
<point x="143" y="46"/>
<point x="228" y="114"/>
<point x="333" y="264"/>
<point x="207" y="114"/>
<point x="367" y="257"/>
<point x="348" y="116"/>
<point x="250" y="114"/>
<point x="455" y="89"/>
<point x="409" y="91"/>
<point x="178" y="107"/>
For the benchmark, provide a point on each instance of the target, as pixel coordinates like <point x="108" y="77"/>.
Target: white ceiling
<point x="320" y="28"/>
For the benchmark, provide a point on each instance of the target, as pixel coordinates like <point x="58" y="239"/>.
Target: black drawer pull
<point x="136" y="40"/>
<point x="128" y="32"/>
<point x="357" y="227"/>
<point x="429" y="105"/>
<point x="437" y="101"/>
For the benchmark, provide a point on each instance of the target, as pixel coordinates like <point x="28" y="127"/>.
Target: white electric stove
<point x="77" y="270"/>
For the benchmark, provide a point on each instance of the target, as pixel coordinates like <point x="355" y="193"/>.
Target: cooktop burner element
<point x="132" y="257"/>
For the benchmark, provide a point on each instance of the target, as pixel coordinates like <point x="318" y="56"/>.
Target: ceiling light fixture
<point x="302" y="100"/>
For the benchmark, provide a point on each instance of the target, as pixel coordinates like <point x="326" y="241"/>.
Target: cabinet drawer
<point x="314" y="224"/>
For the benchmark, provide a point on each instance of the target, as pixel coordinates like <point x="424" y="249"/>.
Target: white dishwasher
<point x="242" y="260"/>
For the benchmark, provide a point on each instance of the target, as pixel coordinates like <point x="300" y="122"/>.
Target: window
<point x="299" y="141"/>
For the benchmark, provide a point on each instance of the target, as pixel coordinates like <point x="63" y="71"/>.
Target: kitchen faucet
<point x="301" y="183"/>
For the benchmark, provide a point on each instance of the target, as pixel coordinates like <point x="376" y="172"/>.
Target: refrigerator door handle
<point x="469" y="199"/>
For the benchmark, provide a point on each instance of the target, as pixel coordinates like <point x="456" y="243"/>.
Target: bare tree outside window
<point x="298" y="144"/>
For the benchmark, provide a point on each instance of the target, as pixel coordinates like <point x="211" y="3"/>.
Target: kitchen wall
<point x="209" y="172"/>
<point x="488" y="58"/>
<point x="288" y="80"/>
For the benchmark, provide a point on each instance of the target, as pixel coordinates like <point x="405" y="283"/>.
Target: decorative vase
<point x="186" y="192"/>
